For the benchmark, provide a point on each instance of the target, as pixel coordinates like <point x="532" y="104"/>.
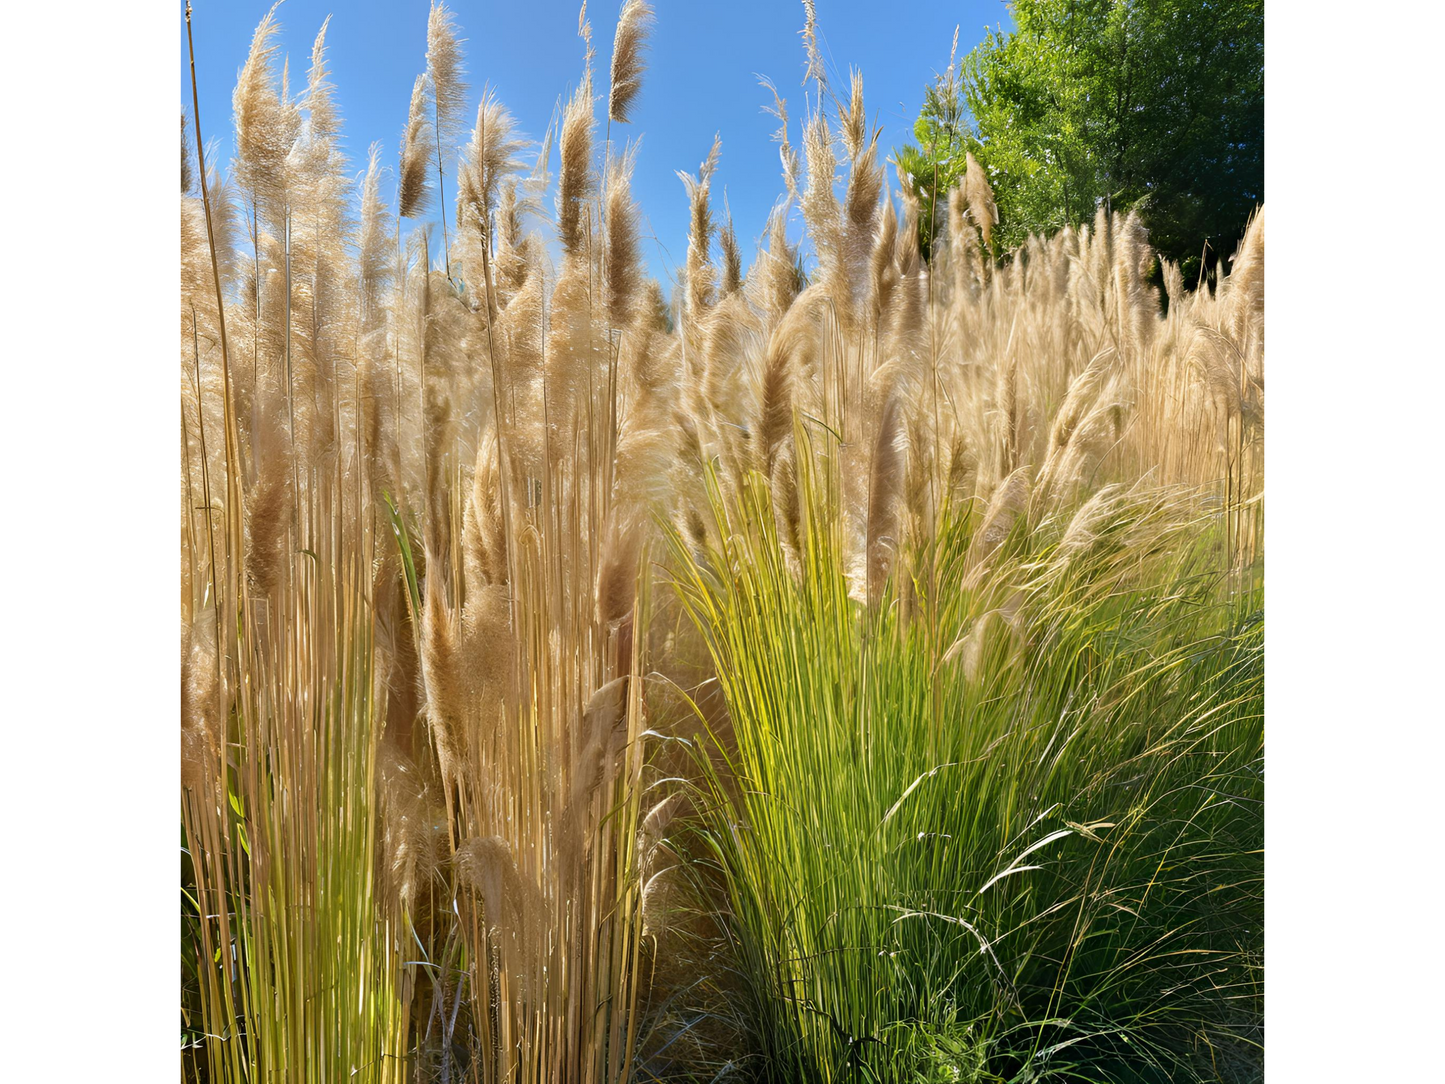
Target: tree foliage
<point x="938" y="163"/>
<point x="1152" y="104"/>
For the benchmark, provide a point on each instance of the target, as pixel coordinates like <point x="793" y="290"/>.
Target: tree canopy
<point x="1150" y="104"/>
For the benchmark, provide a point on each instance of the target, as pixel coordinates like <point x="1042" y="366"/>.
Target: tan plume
<point x="413" y="190"/>
<point x="374" y="245"/>
<point x="732" y="264"/>
<point x="444" y="72"/>
<point x="628" y="46"/>
<point x="979" y="194"/>
<point x="700" y="272"/>
<point x="575" y="182"/>
<point x="624" y="262"/>
<point x="820" y="203"/>
<point x="814" y="70"/>
<point x="320" y="109"/>
<point x="262" y="130"/>
<point x="854" y="120"/>
<point x="200" y="706"/>
<point x="884" y="485"/>
<point x="617" y="576"/>
<point x="187" y="181"/>
<point x="777" y="275"/>
<point x="787" y="153"/>
<point x="1008" y="501"/>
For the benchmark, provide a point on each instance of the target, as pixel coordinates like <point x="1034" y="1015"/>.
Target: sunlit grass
<point x="1013" y="830"/>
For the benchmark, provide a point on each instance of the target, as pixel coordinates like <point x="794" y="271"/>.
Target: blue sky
<point x="701" y="78"/>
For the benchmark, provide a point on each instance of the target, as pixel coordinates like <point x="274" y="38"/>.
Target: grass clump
<point x="1010" y="831"/>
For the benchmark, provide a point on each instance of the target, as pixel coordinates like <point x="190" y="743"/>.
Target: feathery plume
<point x="731" y="259"/>
<point x="1083" y="390"/>
<point x="820" y="203"/>
<point x="268" y="504"/>
<point x="513" y="249"/>
<point x="699" y="270"/>
<point x="883" y="271"/>
<point x="484" y="544"/>
<point x="320" y="110"/>
<point x="963" y="258"/>
<point x="511" y="903"/>
<point x="444" y="72"/>
<point x="778" y="283"/>
<point x="574" y="185"/>
<point x="200" y="707"/>
<point x="979" y="194"/>
<point x="776" y="421"/>
<point x="998" y="519"/>
<point x="814" y="69"/>
<point x="413" y="189"/>
<point x="490" y="156"/>
<point x="617" y="575"/>
<point x="787" y="153"/>
<point x="854" y="120"/>
<point x="628" y="46"/>
<point x="860" y="223"/>
<point x="624" y="263"/>
<point x="445" y="691"/>
<point x="1084" y="527"/>
<point x="884" y="483"/>
<point x="584" y="31"/>
<point x="374" y="245"/>
<point x="187" y="181"/>
<point x="1244" y="294"/>
<point x="262" y="129"/>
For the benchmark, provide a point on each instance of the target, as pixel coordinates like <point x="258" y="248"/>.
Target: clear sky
<point x="701" y="79"/>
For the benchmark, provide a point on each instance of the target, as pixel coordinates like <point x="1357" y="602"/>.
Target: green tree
<point x="937" y="165"/>
<point x="1150" y="104"/>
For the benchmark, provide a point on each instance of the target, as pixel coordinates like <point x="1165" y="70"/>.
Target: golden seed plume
<point x="624" y="260"/>
<point x="777" y="284"/>
<point x="268" y="506"/>
<point x="489" y="158"/>
<point x="962" y="244"/>
<point x="617" y="576"/>
<point x="628" y="46"/>
<point x="732" y="270"/>
<point x="1084" y="528"/>
<point x="814" y="70"/>
<point x="375" y="246"/>
<point x="416" y="146"/>
<point x="860" y="226"/>
<point x="884" y="483"/>
<point x="511" y="903"/>
<point x="787" y="153"/>
<point x="819" y="202"/>
<point x="444" y="72"/>
<point x="320" y="110"/>
<point x="444" y="685"/>
<point x="200" y="707"/>
<point x="883" y="270"/>
<point x="263" y="135"/>
<point x="979" y="194"/>
<point x="1008" y="501"/>
<point x="484" y="543"/>
<point x="187" y="181"/>
<point x="853" y="118"/>
<point x="575" y="181"/>
<point x="700" y="274"/>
